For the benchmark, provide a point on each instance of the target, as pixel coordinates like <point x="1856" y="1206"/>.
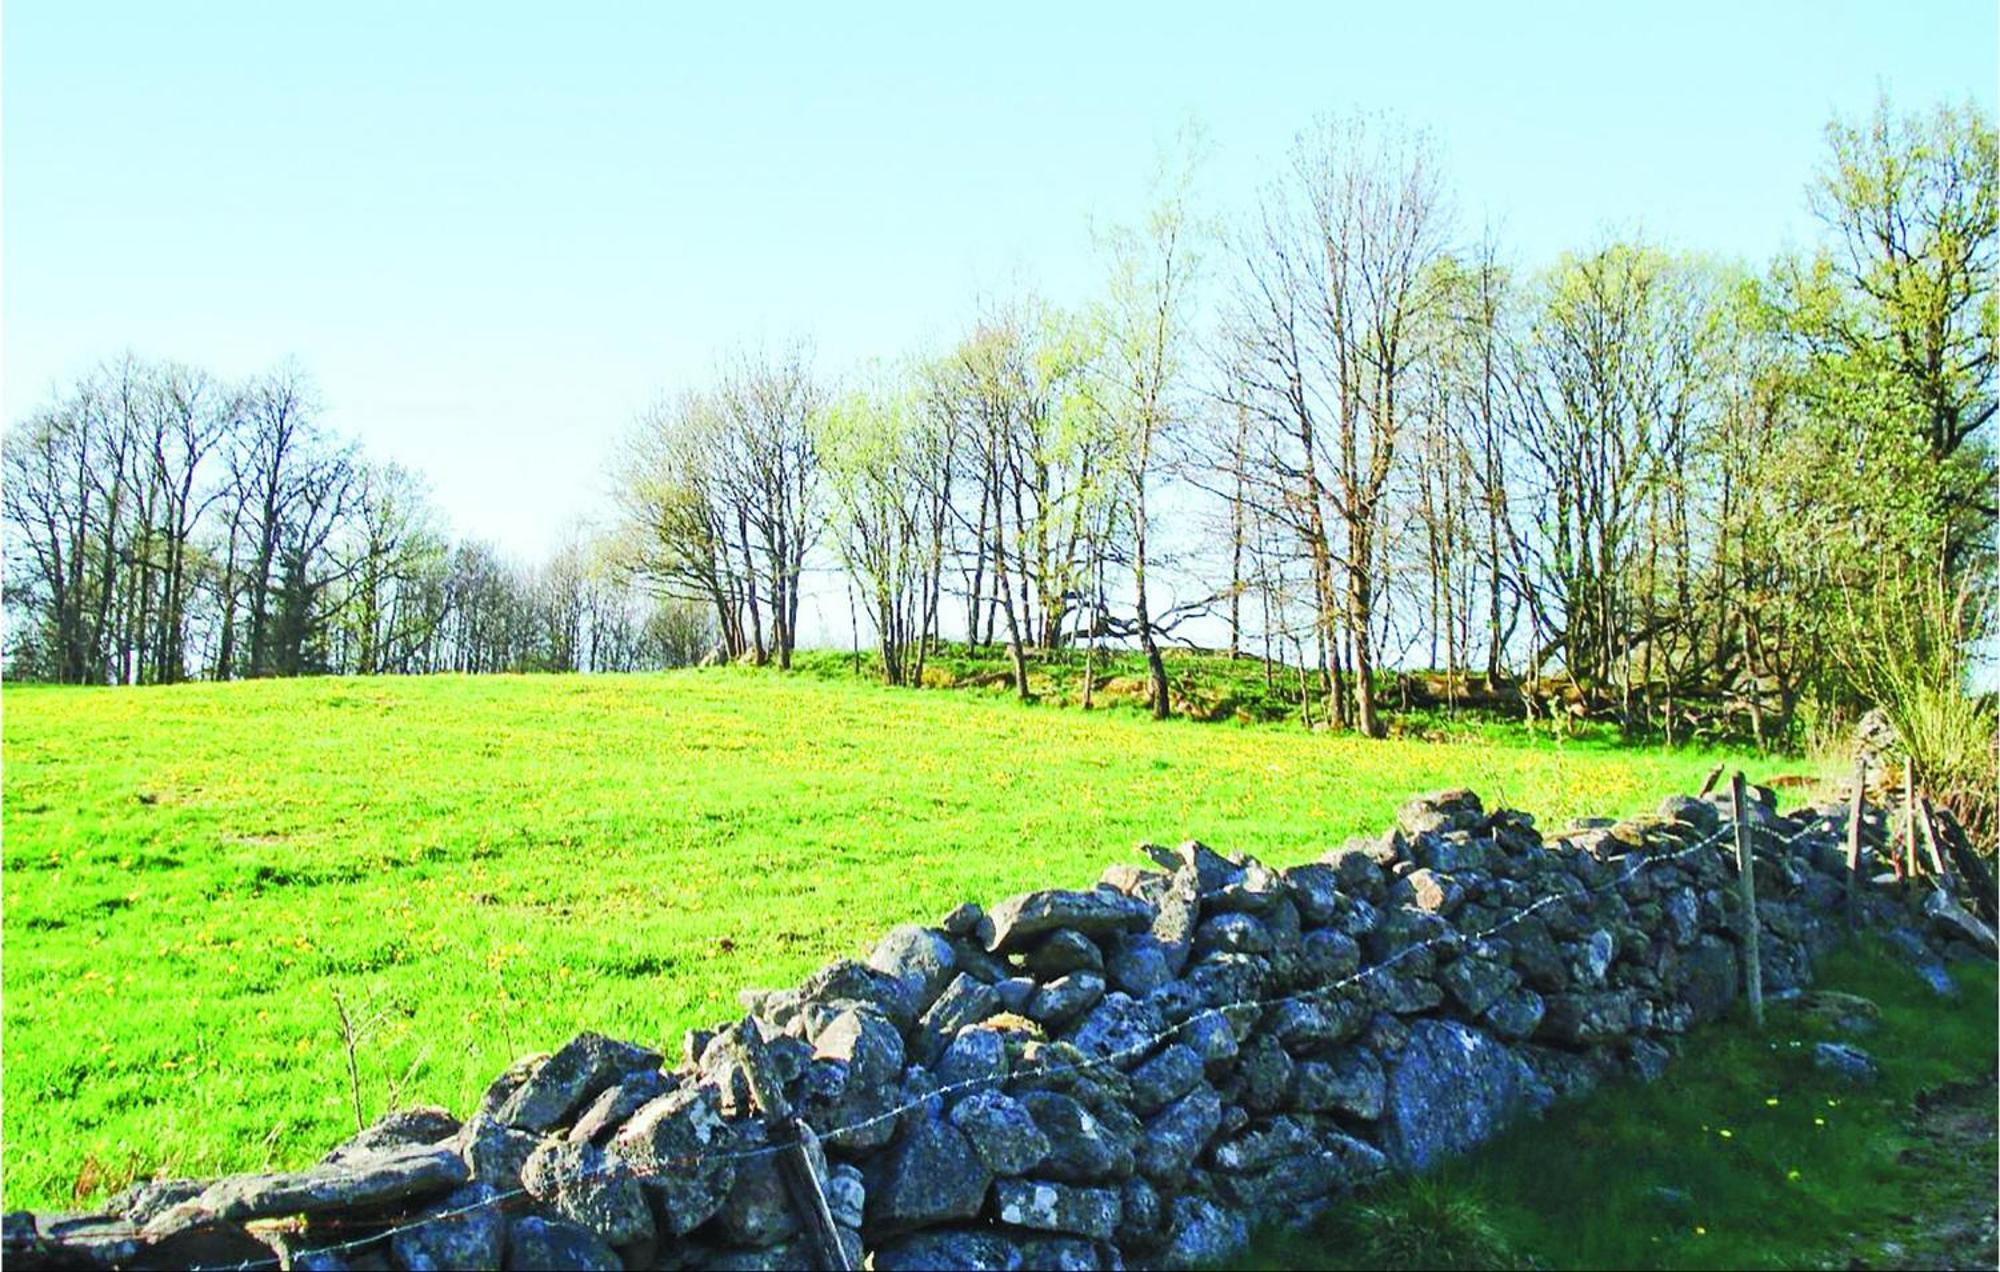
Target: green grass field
<point x="482" y="867"/>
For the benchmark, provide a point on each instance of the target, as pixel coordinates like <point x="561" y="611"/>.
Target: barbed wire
<point x="617" y="1167"/>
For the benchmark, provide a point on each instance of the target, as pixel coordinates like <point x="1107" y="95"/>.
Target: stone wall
<point x="1134" y="1075"/>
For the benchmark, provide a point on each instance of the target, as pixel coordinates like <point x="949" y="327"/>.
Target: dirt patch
<point x="1953" y="1222"/>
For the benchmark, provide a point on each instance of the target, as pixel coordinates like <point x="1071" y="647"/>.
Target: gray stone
<point x="468" y="1229"/>
<point x="1063" y="1000"/>
<point x="89" y="1241"/>
<point x="1237" y="932"/>
<point x="1452" y="1088"/>
<point x="866" y="1042"/>
<point x="1066" y="1254"/>
<point x="1165" y="1078"/>
<point x="966" y="1001"/>
<point x="578" y="1182"/>
<point x="573" y="1076"/>
<point x="405" y="1128"/>
<point x="976" y="1059"/>
<point x="1202" y="1234"/>
<point x="847" y="982"/>
<point x="1698" y="813"/>
<point x="360" y="1181"/>
<point x="141" y="1202"/>
<point x="1212" y="872"/>
<point x="1053" y="1207"/>
<point x="1953" y="921"/>
<point x="1441" y="811"/>
<point x="1063" y="951"/>
<point x="1516" y="1014"/>
<point x="1176" y="1135"/>
<point x="1265" y="1144"/>
<point x="1082" y="1149"/>
<point x="502" y="1088"/>
<point x="1476" y="983"/>
<point x="610" y="1109"/>
<point x="1648" y="1059"/>
<point x="949" y="1250"/>
<point x="535" y="1242"/>
<point x="1406" y="987"/>
<point x="1210" y="1035"/>
<point x="1100" y="912"/>
<point x="679" y="1147"/>
<point x="1846" y="1062"/>
<point x="920" y="957"/>
<point x="1141" y="1214"/>
<point x="1428" y="890"/>
<point x="1119" y="1030"/>
<point x="1352" y="1083"/>
<point x="1015" y="993"/>
<point x="1709" y="978"/>
<point x="1139" y="965"/>
<point x="759" y="1211"/>
<point x="965" y="920"/>
<point x="494" y="1153"/>
<point x="1315" y="889"/>
<point x="846" y="1195"/>
<point x="1327" y="955"/>
<point x="1002" y="1132"/>
<point x="1582" y="1019"/>
<point x="1683" y="915"/>
<point x="932" y="1175"/>
<point x="1266" y="1073"/>
<point x="1308" y="1024"/>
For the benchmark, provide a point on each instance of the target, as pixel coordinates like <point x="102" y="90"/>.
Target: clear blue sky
<point x="493" y="234"/>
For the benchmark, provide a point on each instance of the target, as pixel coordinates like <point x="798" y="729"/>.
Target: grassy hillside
<point x="482" y="867"/>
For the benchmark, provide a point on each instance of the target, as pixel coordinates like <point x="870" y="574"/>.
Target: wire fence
<point x="1766" y="840"/>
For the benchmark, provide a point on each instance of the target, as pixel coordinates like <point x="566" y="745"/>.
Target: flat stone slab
<point x="362" y="1180"/>
<point x="1018" y="920"/>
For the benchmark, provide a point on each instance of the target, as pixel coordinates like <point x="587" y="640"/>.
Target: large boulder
<point x="1452" y="1088"/>
<point x="933" y="1175"/>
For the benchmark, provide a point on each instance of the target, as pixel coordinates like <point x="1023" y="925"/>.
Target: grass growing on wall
<point x="482" y="867"/>
<point x="1742" y="1156"/>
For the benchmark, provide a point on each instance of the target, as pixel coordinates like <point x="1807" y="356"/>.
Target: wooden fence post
<point x="1746" y="883"/>
<point x="1909" y="818"/>
<point x="1708" y="784"/>
<point x="1854" y="842"/>
<point x="791" y="1138"/>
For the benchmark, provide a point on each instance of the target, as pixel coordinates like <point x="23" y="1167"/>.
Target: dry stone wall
<point x="1133" y="1075"/>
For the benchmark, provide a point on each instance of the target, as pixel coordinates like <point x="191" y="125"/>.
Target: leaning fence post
<point x="1929" y="825"/>
<point x="1854" y="841"/>
<point x="1708" y="783"/>
<point x="1746" y="883"/>
<point x="791" y="1138"/>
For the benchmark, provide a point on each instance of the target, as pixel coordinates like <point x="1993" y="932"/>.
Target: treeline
<point x="1639" y="483"/>
<point x="1340" y="433"/>
<point x="163" y="525"/>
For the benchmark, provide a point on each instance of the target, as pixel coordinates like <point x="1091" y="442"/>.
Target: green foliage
<point x="499" y="862"/>
<point x="1907" y="648"/>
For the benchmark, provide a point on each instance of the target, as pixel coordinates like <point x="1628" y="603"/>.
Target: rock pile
<point x="1132" y="1075"/>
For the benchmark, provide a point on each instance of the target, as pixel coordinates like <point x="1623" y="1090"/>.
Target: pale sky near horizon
<point x="493" y="233"/>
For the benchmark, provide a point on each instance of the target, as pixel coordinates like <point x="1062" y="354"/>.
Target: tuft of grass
<point x="1424" y="1223"/>
<point x="500" y="862"/>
